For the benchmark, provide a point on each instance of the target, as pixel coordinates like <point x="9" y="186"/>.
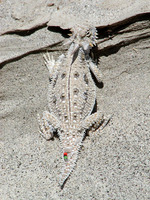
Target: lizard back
<point x="72" y="92"/>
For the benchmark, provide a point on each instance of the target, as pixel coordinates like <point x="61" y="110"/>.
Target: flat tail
<point x="67" y="168"/>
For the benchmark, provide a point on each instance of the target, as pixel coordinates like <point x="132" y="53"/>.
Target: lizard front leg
<point x="52" y="65"/>
<point x="48" y="124"/>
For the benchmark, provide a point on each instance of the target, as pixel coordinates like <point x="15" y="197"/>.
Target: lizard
<point x="71" y="97"/>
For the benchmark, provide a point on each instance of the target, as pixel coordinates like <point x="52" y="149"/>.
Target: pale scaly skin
<point x="71" y="99"/>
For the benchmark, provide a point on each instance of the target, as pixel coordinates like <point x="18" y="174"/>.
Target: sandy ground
<point x="114" y="163"/>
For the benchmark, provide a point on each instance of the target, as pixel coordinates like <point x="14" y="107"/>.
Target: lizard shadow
<point x="100" y="85"/>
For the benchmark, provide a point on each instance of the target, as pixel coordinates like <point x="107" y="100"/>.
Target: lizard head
<point x="82" y="37"/>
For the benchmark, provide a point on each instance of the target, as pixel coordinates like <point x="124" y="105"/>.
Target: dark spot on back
<point x="75" y="91"/>
<point x="74" y="116"/>
<point x="63" y="75"/>
<point x="54" y="99"/>
<point x="75" y="103"/>
<point x="65" y="117"/>
<point x="86" y="79"/>
<point x="50" y="79"/>
<point x="76" y="74"/>
<point x="55" y="80"/>
<point x="85" y="95"/>
<point x="62" y="97"/>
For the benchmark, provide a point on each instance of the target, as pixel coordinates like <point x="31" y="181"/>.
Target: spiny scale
<point x="71" y="98"/>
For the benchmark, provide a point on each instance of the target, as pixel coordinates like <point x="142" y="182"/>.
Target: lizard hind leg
<point x="46" y="130"/>
<point x="93" y="121"/>
<point x="48" y="125"/>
